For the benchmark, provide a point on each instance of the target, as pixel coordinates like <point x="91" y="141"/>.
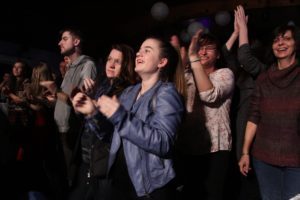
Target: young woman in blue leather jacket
<point x="146" y="118"/>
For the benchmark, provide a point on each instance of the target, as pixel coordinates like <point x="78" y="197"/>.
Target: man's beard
<point x="68" y="52"/>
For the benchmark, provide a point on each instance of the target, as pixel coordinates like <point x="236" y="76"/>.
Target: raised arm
<point x="235" y="34"/>
<point x="230" y="58"/>
<point x="247" y="60"/>
<point x="202" y="80"/>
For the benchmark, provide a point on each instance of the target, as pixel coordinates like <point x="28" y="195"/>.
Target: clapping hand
<point x="192" y="52"/>
<point x="108" y="105"/>
<point x="83" y="104"/>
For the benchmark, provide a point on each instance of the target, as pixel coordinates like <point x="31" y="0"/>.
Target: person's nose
<point x="280" y="41"/>
<point x="202" y="51"/>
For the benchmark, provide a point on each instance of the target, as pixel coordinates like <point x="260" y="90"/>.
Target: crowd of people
<point x="169" y="122"/>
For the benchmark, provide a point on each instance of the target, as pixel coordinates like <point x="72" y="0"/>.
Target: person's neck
<point x="148" y="83"/>
<point x="73" y="57"/>
<point x="209" y="70"/>
<point x="285" y="62"/>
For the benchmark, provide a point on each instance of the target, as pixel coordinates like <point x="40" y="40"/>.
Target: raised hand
<point x="88" y="85"/>
<point x="192" y="52"/>
<point x="174" y="40"/>
<point x="242" y="20"/>
<point x="236" y="24"/>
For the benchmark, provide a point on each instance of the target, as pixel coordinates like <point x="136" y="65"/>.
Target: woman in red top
<point x="274" y="119"/>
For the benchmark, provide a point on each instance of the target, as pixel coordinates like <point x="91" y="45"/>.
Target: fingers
<point x="88" y="85"/>
<point x="175" y="41"/>
<point x="79" y="99"/>
<point x="74" y="92"/>
<point x="241" y="13"/>
<point x="244" y="165"/>
<point x="114" y="98"/>
<point x="241" y="10"/>
<point x="50" y="85"/>
<point x="46" y="83"/>
<point x="51" y="98"/>
<point x="245" y="170"/>
<point x="108" y="105"/>
<point x="236" y="24"/>
<point x="193" y="45"/>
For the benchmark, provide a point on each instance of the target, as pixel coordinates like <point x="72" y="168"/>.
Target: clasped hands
<point x="84" y="104"/>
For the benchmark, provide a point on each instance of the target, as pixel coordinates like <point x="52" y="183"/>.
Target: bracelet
<point x="57" y="91"/>
<point x="245" y="154"/>
<point x="197" y="60"/>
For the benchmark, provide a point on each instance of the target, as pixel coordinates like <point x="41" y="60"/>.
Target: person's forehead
<point x="286" y="33"/>
<point x="66" y="34"/>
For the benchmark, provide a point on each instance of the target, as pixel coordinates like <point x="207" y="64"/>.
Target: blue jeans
<point x="277" y="183"/>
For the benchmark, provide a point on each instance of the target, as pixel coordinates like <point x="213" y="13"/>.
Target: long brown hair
<point x="174" y="69"/>
<point x="40" y="72"/>
<point x="128" y="63"/>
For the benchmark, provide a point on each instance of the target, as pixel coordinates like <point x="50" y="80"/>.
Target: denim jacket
<point x="147" y="129"/>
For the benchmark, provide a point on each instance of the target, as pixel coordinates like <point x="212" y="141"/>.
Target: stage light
<point x="222" y="18"/>
<point x="159" y="11"/>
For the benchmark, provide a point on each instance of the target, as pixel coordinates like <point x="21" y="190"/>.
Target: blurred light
<point x="159" y="11"/>
<point x="222" y="18"/>
<point x="184" y="36"/>
<point x="206" y="22"/>
<point x="291" y="23"/>
<point x="194" y="27"/>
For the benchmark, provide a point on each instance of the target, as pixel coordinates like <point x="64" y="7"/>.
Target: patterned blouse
<point x="216" y="104"/>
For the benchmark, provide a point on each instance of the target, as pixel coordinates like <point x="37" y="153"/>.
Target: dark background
<point x="31" y="30"/>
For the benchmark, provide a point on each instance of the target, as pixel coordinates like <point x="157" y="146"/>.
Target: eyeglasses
<point x="283" y="38"/>
<point x="207" y="48"/>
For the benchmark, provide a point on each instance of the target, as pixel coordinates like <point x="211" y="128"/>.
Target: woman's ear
<point x="162" y="63"/>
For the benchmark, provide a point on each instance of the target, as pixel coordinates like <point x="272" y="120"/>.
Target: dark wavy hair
<point x="280" y="31"/>
<point x="208" y="39"/>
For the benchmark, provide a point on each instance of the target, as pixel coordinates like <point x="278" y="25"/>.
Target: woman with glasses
<point x="215" y="89"/>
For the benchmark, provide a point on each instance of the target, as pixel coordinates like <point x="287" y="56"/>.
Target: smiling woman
<point x="273" y="121"/>
<point x="144" y="134"/>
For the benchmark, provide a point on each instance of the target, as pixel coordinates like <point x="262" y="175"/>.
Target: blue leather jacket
<point x="147" y="129"/>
